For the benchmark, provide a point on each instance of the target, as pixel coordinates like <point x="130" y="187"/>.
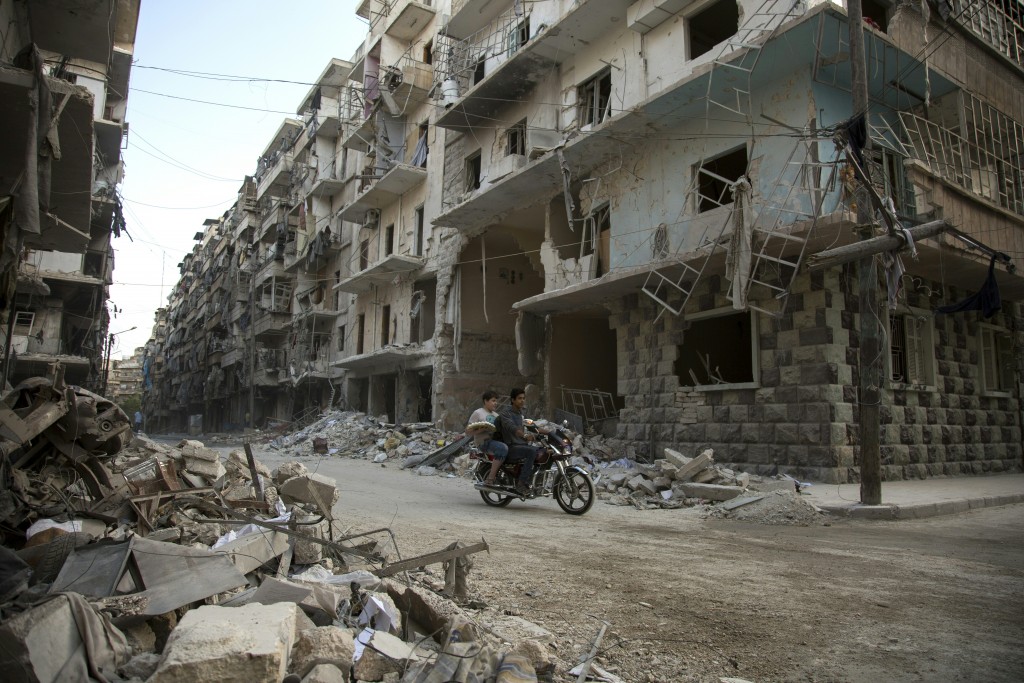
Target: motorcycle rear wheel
<point x="574" y="492"/>
<point x="502" y="479"/>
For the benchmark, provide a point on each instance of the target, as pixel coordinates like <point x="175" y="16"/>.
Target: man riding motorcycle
<point x="520" y="441"/>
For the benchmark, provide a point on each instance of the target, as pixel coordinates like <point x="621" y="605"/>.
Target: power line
<point x="214" y="104"/>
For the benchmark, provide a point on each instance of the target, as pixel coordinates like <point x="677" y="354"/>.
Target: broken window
<point x="997" y="363"/>
<point x="719" y="348"/>
<point x="421" y="313"/>
<point x="479" y="72"/>
<point x="999" y="24"/>
<point x="515" y="139"/>
<point x="385" y="325"/>
<point x="596" y="238"/>
<point x="341" y="337"/>
<point x="428" y="52"/>
<point x="519" y="35"/>
<point x="716" y="176"/>
<point x="418" y="242"/>
<point x="389" y="240"/>
<point x="473" y="171"/>
<point x="595" y="99"/>
<point x="889" y="168"/>
<point x="911" y="357"/>
<point x="876" y="13"/>
<point x="711" y="26"/>
<point x="364" y="254"/>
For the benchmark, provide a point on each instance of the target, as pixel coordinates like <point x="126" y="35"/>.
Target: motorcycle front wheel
<point x="495" y="499"/>
<point x="574" y="492"/>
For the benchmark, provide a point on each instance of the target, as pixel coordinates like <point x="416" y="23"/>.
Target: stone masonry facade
<point x="801" y="417"/>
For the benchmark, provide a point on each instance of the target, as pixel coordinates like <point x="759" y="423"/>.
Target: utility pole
<point x="870" y="359"/>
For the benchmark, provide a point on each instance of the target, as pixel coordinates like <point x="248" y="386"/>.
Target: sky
<point x="185" y="160"/>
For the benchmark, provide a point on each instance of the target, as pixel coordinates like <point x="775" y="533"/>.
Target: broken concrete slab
<point x="288" y="471"/>
<point x="740" y="501"/>
<point x="230" y="644"/>
<point x="676" y="458"/>
<point x="687" y="471"/>
<point x="326" y="673"/>
<point x="382" y="654"/>
<point x="634" y="483"/>
<point x="254" y="550"/>
<point x="774" y="485"/>
<point x="196" y="449"/>
<point x="322" y="645"/>
<point x="710" y="491"/>
<point x="310" y="488"/>
<point x="211" y="470"/>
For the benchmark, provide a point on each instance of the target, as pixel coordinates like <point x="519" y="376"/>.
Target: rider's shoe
<point x="484" y="484"/>
<point x="522" y="489"/>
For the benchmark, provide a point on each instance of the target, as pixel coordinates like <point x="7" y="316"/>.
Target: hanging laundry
<point x="985" y="299"/>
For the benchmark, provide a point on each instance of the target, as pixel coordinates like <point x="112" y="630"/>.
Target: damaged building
<point x="618" y="205"/>
<point x="64" y="76"/>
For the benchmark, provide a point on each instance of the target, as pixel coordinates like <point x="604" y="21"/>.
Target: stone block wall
<point x="801" y="418"/>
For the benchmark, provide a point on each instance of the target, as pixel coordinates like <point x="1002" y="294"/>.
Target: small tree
<point x="129" y="404"/>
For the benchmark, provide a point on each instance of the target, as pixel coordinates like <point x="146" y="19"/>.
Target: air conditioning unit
<point x="372" y="218"/>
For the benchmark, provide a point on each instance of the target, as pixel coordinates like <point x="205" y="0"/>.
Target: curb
<point x="921" y="510"/>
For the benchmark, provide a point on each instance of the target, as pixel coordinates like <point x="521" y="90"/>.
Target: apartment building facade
<point x="64" y="74"/>
<point x="612" y="203"/>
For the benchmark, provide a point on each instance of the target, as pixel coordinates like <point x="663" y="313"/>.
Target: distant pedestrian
<point x="138" y="420"/>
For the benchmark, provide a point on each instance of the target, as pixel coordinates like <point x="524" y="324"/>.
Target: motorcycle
<point x="570" y="485"/>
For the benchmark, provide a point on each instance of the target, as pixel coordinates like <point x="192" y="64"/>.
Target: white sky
<point x="252" y="38"/>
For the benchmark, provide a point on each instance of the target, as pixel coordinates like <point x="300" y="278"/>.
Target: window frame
<point x="515" y="139"/>
<point x="703" y="203"/>
<point x="998" y="338"/>
<point x="473" y="168"/>
<point x="591" y="111"/>
<point x="925" y="348"/>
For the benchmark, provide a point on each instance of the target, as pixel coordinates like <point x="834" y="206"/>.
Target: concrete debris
<point x="320" y="646"/>
<point x="241" y="644"/>
<point x="775" y="508"/>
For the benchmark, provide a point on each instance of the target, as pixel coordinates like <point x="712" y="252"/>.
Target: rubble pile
<point x="676" y="481"/>
<point x="167" y="564"/>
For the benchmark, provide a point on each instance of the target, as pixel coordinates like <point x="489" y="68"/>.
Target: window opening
<point x="910" y="349"/>
<point x="718" y="349"/>
<point x="24" y="319"/>
<point x="519" y="35"/>
<point x="364" y="254"/>
<point x="478" y="72"/>
<point x="595" y="99"/>
<point x="341" y="337"/>
<point x="997" y="363"/>
<point x="360" y="333"/>
<point x="418" y="244"/>
<point x="713" y="25"/>
<point x="385" y="325"/>
<point x="389" y="240"/>
<point x="473" y="171"/>
<point x="428" y="53"/>
<point x="716" y="176"/>
<point x="596" y="238"/>
<point x="515" y="139"/>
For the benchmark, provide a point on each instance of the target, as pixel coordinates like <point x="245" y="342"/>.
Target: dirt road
<point x="695" y="600"/>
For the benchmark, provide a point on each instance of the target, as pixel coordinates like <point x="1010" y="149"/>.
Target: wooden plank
<point x="875" y="245"/>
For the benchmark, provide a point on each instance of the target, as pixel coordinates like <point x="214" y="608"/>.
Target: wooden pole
<point x="876" y="245"/>
<point x="870" y="360"/>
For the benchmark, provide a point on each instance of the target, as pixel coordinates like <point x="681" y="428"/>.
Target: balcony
<point x="327" y="182"/>
<point x="406" y="19"/>
<point x="232" y="357"/>
<point x="389" y="356"/>
<point x="271" y="324"/>
<point x="381" y="273"/>
<point x="511" y="67"/>
<point x="409" y="80"/>
<point x="392" y="185"/>
<point x="271" y="267"/>
<point x="469" y="16"/>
